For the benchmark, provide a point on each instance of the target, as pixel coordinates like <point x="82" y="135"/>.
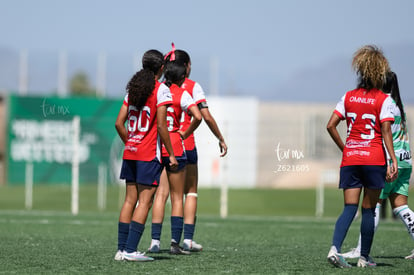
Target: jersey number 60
<point x="135" y="122"/>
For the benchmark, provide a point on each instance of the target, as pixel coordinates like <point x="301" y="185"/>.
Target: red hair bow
<point x="172" y="53"/>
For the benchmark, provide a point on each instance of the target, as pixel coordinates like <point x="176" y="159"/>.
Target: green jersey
<point x="400" y="140"/>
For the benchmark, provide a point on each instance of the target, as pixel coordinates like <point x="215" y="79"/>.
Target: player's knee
<point x="195" y="195"/>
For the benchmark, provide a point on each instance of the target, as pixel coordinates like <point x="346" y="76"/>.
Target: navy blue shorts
<point x="142" y="172"/>
<point x="182" y="162"/>
<point x="192" y="156"/>
<point x="357" y="176"/>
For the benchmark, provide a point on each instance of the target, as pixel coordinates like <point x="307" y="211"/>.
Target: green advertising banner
<point x="40" y="132"/>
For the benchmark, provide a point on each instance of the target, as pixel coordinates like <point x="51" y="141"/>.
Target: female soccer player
<point x="174" y="75"/>
<point x="396" y="191"/>
<point x="367" y="111"/>
<point x="191" y="179"/>
<point x="145" y="108"/>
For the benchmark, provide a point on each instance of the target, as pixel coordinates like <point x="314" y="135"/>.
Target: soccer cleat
<point x="137" y="257"/>
<point x="154" y="247"/>
<point x="338" y="261"/>
<point x="177" y="250"/>
<point x="366" y="262"/>
<point x="119" y="256"/>
<point x="189" y="245"/>
<point x="196" y="247"/>
<point x="353" y="254"/>
<point x="332" y="251"/>
<point x="411" y="256"/>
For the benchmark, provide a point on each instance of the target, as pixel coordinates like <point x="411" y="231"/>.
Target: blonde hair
<point x="371" y="66"/>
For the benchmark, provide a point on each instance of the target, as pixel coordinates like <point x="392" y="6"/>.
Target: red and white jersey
<point x="143" y="142"/>
<point x="182" y="102"/>
<point x="364" y="112"/>
<point x="197" y="93"/>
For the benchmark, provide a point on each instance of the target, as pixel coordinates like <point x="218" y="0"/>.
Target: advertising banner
<point x="40" y="132"/>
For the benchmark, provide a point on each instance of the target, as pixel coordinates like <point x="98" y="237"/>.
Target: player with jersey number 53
<point x="368" y="114"/>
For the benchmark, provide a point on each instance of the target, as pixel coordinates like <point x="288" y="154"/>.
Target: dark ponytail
<point x="142" y="84"/>
<point x="174" y="73"/>
<point x="391" y="87"/>
<point x="140" y="87"/>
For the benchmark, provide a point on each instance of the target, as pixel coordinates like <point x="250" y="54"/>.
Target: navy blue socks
<point x="342" y="225"/>
<point x="123" y="229"/>
<point x="176" y="228"/>
<point x="156" y="231"/>
<point x="188" y="231"/>
<point x="134" y="236"/>
<point x="367" y="230"/>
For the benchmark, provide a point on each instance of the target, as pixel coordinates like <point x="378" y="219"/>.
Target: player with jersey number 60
<point x="367" y="111"/>
<point x="145" y="111"/>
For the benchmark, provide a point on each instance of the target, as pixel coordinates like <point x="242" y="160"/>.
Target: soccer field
<point x="52" y="241"/>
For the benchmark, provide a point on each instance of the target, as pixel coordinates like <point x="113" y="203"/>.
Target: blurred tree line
<point x="79" y="85"/>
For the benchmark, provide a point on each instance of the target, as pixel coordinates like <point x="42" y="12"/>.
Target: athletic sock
<point x="189" y="231"/>
<point x="342" y="225"/>
<point x="377" y="216"/>
<point x="407" y="216"/>
<point x="367" y="230"/>
<point x="123" y="229"/>
<point x="376" y="222"/>
<point x="135" y="232"/>
<point x="156" y="231"/>
<point x="176" y="228"/>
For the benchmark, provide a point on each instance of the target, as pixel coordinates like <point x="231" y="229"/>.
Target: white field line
<point x="61" y="217"/>
<point x="52" y="221"/>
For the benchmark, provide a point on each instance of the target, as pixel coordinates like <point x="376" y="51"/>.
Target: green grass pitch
<point x="267" y="232"/>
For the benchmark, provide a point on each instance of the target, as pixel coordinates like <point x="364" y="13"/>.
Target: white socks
<point x="407" y="216"/>
<point x="377" y="215"/>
